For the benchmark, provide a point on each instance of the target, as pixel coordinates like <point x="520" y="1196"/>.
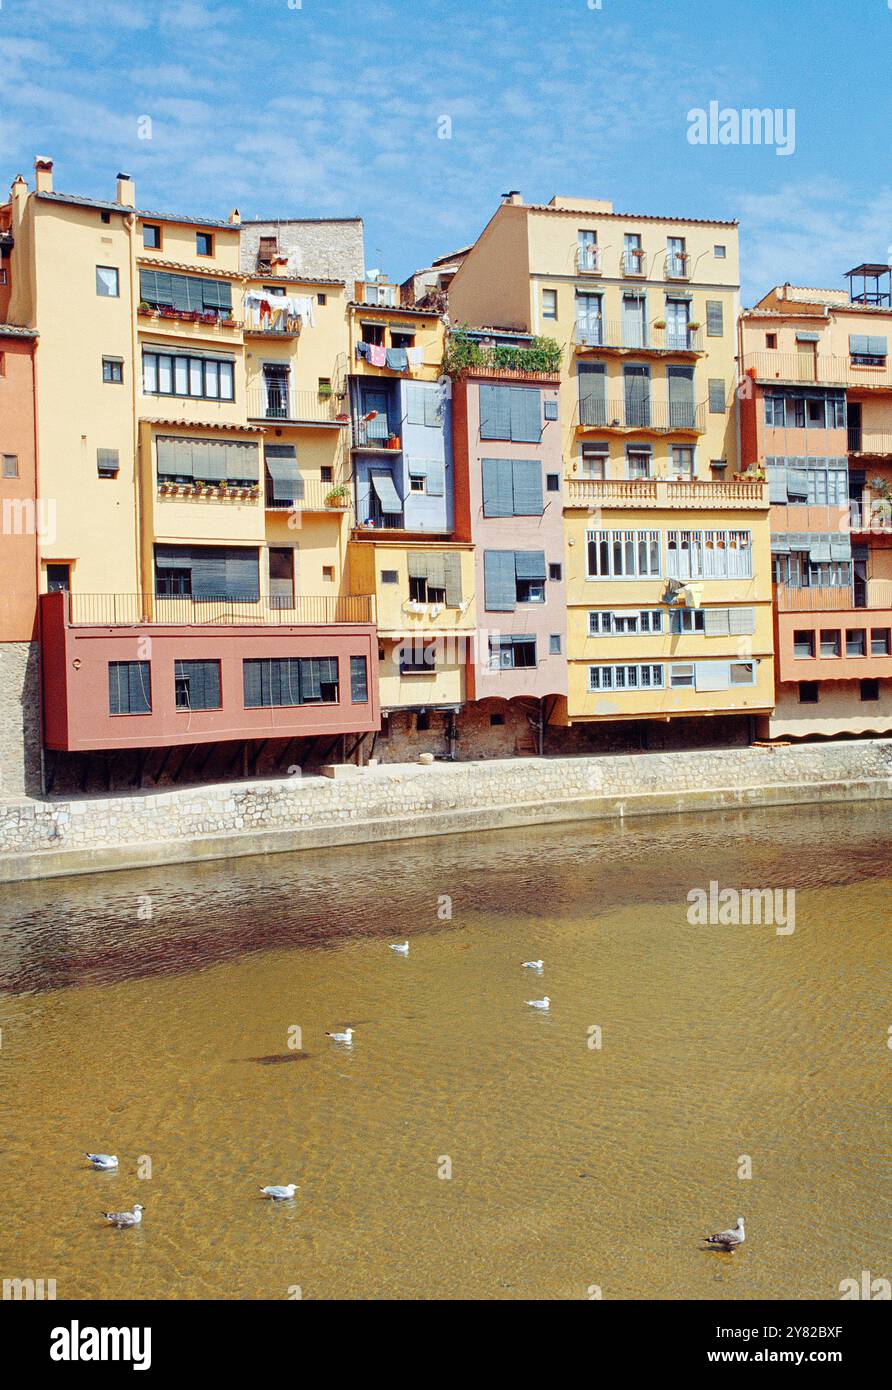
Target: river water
<point x="466" y="1145"/>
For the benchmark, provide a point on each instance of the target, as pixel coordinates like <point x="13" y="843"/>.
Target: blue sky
<point x="332" y="107"/>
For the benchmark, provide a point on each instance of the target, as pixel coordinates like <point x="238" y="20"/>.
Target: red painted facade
<point x="76" y="681"/>
<point x="20" y="518"/>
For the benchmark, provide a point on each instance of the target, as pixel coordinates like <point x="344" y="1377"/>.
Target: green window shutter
<point x="436" y="569"/>
<point x="495" y="412"/>
<point x="179" y="290"/>
<point x="716" y="396"/>
<point x="208" y="572"/>
<point x="498" y="487"/>
<point x="148" y="286"/>
<point x="243" y="574"/>
<point x="452" y="578"/>
<point x="310" y="679"/>
<point x="526" y="415"/>
<point x="499" y="581"/>
<point x="715" y="319"/>
<point x="527" y="478"/>
<point x="592" y="382"/>
<point x="201" y="460"/>
<point x="417" y="564"/>
<point x="243" y="462"/>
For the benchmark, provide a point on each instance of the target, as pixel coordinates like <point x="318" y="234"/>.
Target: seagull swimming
<point x="401" y="948"/>
<point x="727" y="1240"/>
<point x="102" y="1161"/>
<point x="280" y="1194"/>
<point x="533" y="964"/>
<point x="345" y="1037"/>
<point x="544" y="1004"/>
<point x="123" y="1219"/>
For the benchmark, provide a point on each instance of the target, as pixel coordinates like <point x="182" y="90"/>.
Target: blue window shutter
<point x="858" y="346"/>
<point x="526" y="415"/>
<point x="499" y="581"/>
<point x="415" y="398"/>
<point x="433" y="413"/>
<point x="436" y="478"/>
<point x="551" y="410"/>
<point x="877" y="347"/>
<point x="715" y="326"/>
<point x="495" y="412"/>
<point x="208" y="572"/>
<point x="498" y="487"/>
<point x="527" y="487"/>
<point x="242" y="575"/>
<point x="529" y="564"/>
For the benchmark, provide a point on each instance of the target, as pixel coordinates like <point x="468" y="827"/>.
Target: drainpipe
<point x="130" y="224"/>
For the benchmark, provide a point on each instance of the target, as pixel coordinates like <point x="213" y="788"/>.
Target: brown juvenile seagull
<point x="123" y="1219"/>
<point x="727" y="1240"/>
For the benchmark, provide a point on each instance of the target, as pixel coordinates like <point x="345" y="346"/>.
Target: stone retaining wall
<point x="397" y="801"/>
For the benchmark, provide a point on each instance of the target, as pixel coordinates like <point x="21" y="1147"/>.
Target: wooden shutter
<point x="499" y="581"/>
<point x="242" y="574"/>
<point x="715" y="322"/>
<point x="526" y="415"/>
<point x="592" y="382"/>
<point x="452" y="577"/>
<point x="252" y="683"/>
<point x="495" y="412"/>
<point x="716" y="396"/>
<point x="681" y="397"/>
<point x="498" y="487"/>
<point x="208" y="572"/>
<point x="527" y="486"/>
<point x="529" y="564"/>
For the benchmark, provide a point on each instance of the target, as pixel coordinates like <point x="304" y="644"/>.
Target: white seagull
<point x="102" y="1161"/>
<point x="533" y="964"/>
<point x="401" y="948"/>
<point x="727" y="1240"/>
<point x="345" y="1037"/>
<point x="544" y="1004"/>
<point x="123" y="1219"/>
<point x="280" y="1194"/>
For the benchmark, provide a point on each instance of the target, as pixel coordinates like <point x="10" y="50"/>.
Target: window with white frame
<point x="607" y="622"/>
<point x="682" y="462"/>
<point x="709" y="555"/>
<point x="681" y="677"/>
<point x="686" y="620"/>
<point x="623" y="554"/>
<point x="639" y="460"/>
<point x="593" y="462"/>
<point x="637" y="676"/>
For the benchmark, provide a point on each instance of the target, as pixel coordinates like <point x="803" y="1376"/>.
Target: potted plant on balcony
<point x="325" y="392"/>
<point x="167" y="312"/>
<point x="337" y="496"/>
<point x="693" y="325"/>
<point x="659" y="323"/>
<point x="209" y="316"/>
<point x="393" y="441"/>
<point x="144" y="308"/>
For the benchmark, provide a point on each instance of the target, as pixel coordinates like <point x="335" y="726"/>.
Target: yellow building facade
<point x="667" y="545"/>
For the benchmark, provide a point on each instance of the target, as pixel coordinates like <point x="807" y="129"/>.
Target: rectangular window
<point x="187" y="375"/>
<point x="107" y="463"/>
<point x="830" y="641"/>
<point x="208" y="573"/>
<point x="204" y="244"/>
<point x="280" y="682"/>
<point x="808" y="692"/>
<point x="870" y="690"/>
<point x="880" y="639"/>
<point x="554" y="572"/>
<point x="715" y="323"/>
<point x="771" y="340"/>
<point x="113" y="370"/>
<point x="626" y="677"/>
<point x="743" y="673"/>
<point x="709" y="554"/>
<point x="58" y="579"/>
<point x="682" y="677"/>
<point x="804" y="643"/>
<point x="594" y="460"/>
<point x="684" y="620"/>
<point x="10" y="466"/>
<point x="720" y="252"/>
<point x="638" y="461"/>
<point x="512" y="487"/>
<point x="129" y="687"/>
<point x="418" y="658"/>
<point x="185" y="294"/>
<point x="512" y="413"/>
<point x="552" y="482"/>
<point x="716" y="396"/>
<point x="151" y="236"/>
<point x="107" y="282"/>
<point x="549" y="304"/>
<point x="197" y="684"/>
<point x="623" y="554"/>
<point x="359" y="680"/>
<point x="682" y="463"/>
<point x="554" y="644"/>
<point x="511" y="652"/>
<point x="390" y="576"/>
<point x="856" y="644"/>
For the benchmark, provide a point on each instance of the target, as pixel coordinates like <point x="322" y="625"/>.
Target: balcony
<point x="640" y="417"/>
<point x="812" y="600"/>
<point x="633" y="264"/>
<point x="288" y="406"/>
<point x="678" y="265"/>
<point x="128" y="610"/>
<point x="696" y="495"/>
<point x="375" y="433"/>
<point x="375" y="293"/>
<point x="872" y="444"/>
<point x="588" y="260"/>
<point x="316" y="496"/>
<point x="622" y="338"/>
<point x="817" y="369"/>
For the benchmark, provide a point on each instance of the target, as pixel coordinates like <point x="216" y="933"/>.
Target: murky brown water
<point x="571" y="1166"/>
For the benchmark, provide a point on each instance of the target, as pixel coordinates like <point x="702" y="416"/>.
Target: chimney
<point x="43" y="174"/>
<point x="235" y="217"/>
<point x="515" y="196"/>
<point x="125" y="191"/>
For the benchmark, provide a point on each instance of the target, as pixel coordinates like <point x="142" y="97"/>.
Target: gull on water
<point x="401" y="948"/>
<point x="533" y="964"/>
<point x="123" y="1219"/>
<point x="280" y="1194"/>
<point x="345" y="1037"/>
<point x="544" y="1004"/>
<point x="727" y="1240"/>
<point x="103" y="1160"/>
